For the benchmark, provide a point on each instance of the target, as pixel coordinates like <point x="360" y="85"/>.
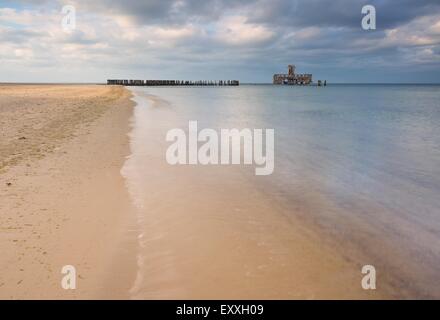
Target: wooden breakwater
<point x="172" y="82"/>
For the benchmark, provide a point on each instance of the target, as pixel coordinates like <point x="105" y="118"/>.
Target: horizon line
<point x="241" y="83"/>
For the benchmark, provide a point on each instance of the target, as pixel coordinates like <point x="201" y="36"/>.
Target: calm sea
<point x="358" y="163"/>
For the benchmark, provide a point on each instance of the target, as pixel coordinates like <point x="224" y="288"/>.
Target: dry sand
<point x="63" y="200"/>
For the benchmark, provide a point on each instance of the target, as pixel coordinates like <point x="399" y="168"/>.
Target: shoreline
<point x="81" y="200"/>
<point x="205" y="227"/>
<point x="64" y="201"/>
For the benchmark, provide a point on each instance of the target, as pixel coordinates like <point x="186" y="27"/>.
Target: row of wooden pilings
<point x="172" y="82"/>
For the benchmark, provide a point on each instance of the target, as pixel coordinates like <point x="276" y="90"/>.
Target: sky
<point x="247" y="40"/>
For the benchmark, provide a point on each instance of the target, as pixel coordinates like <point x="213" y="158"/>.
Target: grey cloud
<point x="169" y="12"/>
<point x="295" y="13"/>
<point x="15" y="36"/>
<point x="79" y="37"/>
<point x="340" y="13"/>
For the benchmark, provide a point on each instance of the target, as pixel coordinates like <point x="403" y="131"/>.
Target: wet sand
<point x="63" y="200"/>
<point x="207" y="232"/>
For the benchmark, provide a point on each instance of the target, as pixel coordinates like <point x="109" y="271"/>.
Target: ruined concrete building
<point x="291" y="78"/>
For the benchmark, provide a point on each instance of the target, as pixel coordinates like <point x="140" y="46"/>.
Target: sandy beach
<point x="219" y="150"/>
<point x="63" y="200"/>
<point x="155" y="231"/>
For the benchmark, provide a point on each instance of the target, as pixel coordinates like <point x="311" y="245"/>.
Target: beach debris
<point x="22" y="138"/>
<point x="9" y="184"/>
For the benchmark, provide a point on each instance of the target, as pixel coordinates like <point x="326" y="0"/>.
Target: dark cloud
<point x="168" y="12"/>
<point x="295" y="13"/>
<point x="340" y="13"/>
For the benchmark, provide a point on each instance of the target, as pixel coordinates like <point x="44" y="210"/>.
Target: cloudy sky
<point x="247" y="40"/>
